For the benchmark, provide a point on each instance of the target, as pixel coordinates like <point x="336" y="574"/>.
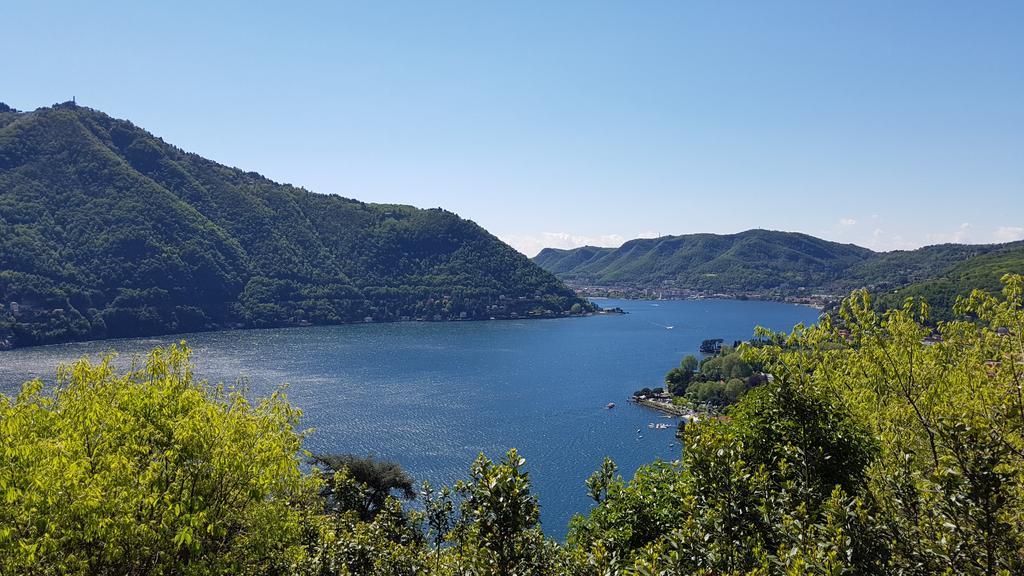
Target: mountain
<point x="559" y="261"/>
<point x="108" y="231"/>
<point x="981" y="272"/>
<point x="890" y="270"/>
<point x="754" y="260"/>
<point x="762" y="262"/>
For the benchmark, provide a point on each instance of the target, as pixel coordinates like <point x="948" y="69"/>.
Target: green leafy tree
<point x="678" y="380"/>
<point x="504" y="536"/>
<point x="365" y="484"/>
<point x="439" y="512"/>
<point x="749" y="493"/>
<point x="149" y="471"/>
<point x="602" y="480"/>
<point x="946" y="414"/>
<point x="734" y="388"/>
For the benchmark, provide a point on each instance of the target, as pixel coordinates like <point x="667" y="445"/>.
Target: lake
<point x="433" y="395"/>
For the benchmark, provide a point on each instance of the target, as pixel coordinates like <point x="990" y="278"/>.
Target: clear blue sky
<point x="888" y="124"/>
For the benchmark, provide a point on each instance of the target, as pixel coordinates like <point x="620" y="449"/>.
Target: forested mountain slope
<point x="758" y="261"/>
<point x="751" y="260"/>
<point x="889" y="270"/>
<point x="982" y="272"/>
<point x="106" y="230"/>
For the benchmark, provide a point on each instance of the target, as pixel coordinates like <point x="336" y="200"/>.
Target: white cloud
<point x="531" y="245"/>
<point x="883" y="241"/>
<point x="962" y="235"/>
<point x="1008" y="233"/>
<point x="649" y="234"/>
<point x="843" y="230"/>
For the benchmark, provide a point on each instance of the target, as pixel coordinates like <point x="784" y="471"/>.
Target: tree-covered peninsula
<point x="875" y="449"/>
<point x="108" y="231"/>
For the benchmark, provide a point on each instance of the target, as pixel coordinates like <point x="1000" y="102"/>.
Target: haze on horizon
<point x="886" y="125"/>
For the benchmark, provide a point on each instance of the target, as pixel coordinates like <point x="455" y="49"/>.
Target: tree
<point x="504" y="534"/>
<point x="439" y="511"/>
<point x="677" y="380"/>
<point x="734" y="388"/>
<point x="776" y="484"/>
<point x="149" y="471"/>
<point x="601" y="480"/>
<point x="365" y="484"/>
<point x="947" y="415"/>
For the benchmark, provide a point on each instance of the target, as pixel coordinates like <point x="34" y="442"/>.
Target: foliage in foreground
<point x="871" y="451"/>
<point x="142" y="472"/>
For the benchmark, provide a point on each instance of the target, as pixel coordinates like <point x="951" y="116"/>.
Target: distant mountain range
<point x="106" y="230"/>
<point x="778" y="264"/>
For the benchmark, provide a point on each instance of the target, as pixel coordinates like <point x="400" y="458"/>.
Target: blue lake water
<point x="433" y="395"/>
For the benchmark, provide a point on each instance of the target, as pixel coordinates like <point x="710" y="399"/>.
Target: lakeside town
<point x="628" y="292"/>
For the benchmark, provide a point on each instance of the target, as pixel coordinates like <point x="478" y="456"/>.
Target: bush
<point x="148" y="471"/>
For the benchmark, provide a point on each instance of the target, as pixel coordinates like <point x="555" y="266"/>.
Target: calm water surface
<point x="433" y="395"/>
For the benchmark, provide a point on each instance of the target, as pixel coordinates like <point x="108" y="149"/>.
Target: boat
<point x="610" y="405"/>
<point x="669" y="327"/>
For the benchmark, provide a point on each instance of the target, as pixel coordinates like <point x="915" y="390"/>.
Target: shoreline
<point x="296" y="326"/>
<point x="665" y="408"/>
<point x="820" y="304"/>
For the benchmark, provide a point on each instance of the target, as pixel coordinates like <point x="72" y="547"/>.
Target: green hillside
<point x="760" y="262"/>
<point x="889" y="270"/>
<point x="106" y="230"/>
<point x="982" y="272"/>
<point x="559" y="261"/>
<point x="749" y="261"/>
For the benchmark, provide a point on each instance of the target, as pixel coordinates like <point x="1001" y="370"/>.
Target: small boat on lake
<point x="610" y="405"/>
